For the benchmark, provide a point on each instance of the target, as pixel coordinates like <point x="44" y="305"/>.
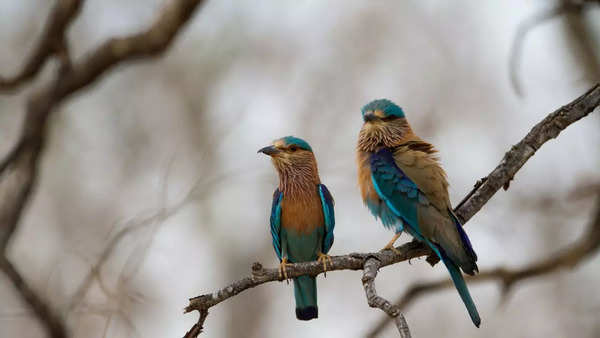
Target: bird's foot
<point x="324" y="258"/>
<point x="283" y="268"/>
<point x="390" y="245"/>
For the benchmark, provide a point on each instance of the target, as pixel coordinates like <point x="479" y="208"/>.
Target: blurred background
<point x="167" y="149"/>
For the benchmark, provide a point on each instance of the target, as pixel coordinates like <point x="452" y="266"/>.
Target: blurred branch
<point x="132" y="225"/>
<point x="52" y="41"/>
<point x="549" y="128"/>
<point x="566" y="7"/>
<point x="581" y="42"/>
<point x="19" y="169"/>
<point x="53" y="323"/>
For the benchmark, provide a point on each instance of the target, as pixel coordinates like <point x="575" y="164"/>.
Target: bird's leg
<point x="282" y="268"/>
<point x="324" y="258"/>
<point x="390" y="245"/>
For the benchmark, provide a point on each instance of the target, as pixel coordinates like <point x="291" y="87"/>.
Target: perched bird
<point x="403" y="184"/>
<point x="302" y="218"/>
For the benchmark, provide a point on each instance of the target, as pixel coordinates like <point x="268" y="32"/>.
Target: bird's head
<point x="384" y="125"/>
<point x="292" y="156"/>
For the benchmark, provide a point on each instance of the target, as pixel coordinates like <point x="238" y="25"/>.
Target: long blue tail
<point x="459" y="283"/>
<point x="461" y="287"/>
<point x="305" y="292"/>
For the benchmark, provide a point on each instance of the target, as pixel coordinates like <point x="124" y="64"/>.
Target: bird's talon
<point x="324" y="258"/>
<point x="391" y="247"/>
<point x="283" y="269"/>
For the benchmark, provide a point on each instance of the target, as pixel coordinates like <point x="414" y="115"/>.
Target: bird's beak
<point x="269" y="150"/>
<point x="369" y="116"/>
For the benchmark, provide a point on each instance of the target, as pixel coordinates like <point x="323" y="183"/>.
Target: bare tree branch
<point x="516" y="157"/>
<point x="19" y="169"/>
<point x="501" y="176"/>
<point x="53" y="323"/>
<point x="354" y="261"/>
<point x="133" y="225"/>
<point x="527" y="25"/>
<point x="371" y="267"/>
<point x="51" y="42"/>
<point x="569" y="257"/>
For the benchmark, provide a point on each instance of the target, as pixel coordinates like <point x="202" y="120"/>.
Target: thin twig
<point x="549" y="128"/>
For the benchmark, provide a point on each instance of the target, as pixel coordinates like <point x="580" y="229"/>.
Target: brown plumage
<point x="419" y="161"/>
<point x="298" y="180"/>
<point x="417" y="158"/>
<point x="302" y="217"/>
<point x="402" y="182"/>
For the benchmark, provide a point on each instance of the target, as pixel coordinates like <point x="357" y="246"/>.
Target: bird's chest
<point x="365" y="183"/>
<point x="302" y="214"/>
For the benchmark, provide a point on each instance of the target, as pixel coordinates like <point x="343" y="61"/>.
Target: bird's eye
<point x="293" y="148"/>
<point x="389" y="118"/>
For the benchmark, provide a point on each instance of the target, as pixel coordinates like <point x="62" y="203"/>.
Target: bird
<point x="302" y="217"/>
<point x="403" y="184"/>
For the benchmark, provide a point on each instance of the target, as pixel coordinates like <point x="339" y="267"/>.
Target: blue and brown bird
<point x="302" y="218"/>
<point x="403" y="184"/>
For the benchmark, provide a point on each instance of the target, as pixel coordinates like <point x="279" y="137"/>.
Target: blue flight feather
<point x="276" y="222"/>
<point x="327" y="204"/>
<point x="463" y="236"/>
<point x="403" y="198"/>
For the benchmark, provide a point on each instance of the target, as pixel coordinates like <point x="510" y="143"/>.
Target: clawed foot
<point x="283" y="268"/>
<point x="324" y="258"/>
<point x="390" y="245"/>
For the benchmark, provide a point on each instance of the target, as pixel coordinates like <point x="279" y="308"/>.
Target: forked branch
<point x="549" y="128"/>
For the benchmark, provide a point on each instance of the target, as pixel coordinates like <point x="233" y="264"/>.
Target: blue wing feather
<point x="276" y="222"/>
<point x="327" y="204"/>
<point x="400" y="194"/>
<point x="403" y="197"/>
<point x="463" y="236"/>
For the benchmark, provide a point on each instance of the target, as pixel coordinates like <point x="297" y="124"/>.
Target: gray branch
<point x="566" y="258"/>
<point x="371" y="268"/>
<point x="549" y="128"/>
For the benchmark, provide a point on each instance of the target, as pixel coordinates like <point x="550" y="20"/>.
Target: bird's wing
<point x="421" y="218"/>
<point x="276" y="222"/>
<point x="327" y="203"/>
<point x="418" y="161"/>
<point x="397" y="190"/>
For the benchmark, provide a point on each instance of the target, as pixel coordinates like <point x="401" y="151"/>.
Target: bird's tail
<point x="305" y="292"/>
<point x="461" y="287"/>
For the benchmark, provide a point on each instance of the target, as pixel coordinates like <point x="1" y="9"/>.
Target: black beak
<point x="368" y="117"/>
<point x="269" y="150"/>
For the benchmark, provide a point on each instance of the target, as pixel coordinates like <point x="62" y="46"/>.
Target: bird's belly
<point x="302" y="222"/>
<point x="303" y="246"/>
